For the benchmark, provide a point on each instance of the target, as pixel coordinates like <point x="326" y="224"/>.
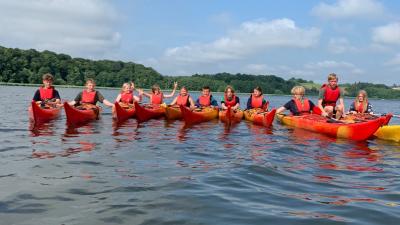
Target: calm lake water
<point x="160" y="172"/>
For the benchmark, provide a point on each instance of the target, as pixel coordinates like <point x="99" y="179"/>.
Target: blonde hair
<point x="365" y="102"/>
<point x="332" y="76"/>
<point x="231" y="88"/>
<point x="298" y="90"/>
<point x="125" y="85"/>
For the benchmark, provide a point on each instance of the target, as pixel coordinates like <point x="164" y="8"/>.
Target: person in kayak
<point x="90" y="96"/>
<point x="126" y="95"/>
<point x="299" y="105"/>
<point x="230" y="99"/>
<point x="206" y="99"/>
<point x="256" y="99"/>
<point x="157" y="96"/>
<point x="183" y="99"/>
<point x="329" y="94"/>
<point x="361" y="104"/>
<point x="47" y="94"/>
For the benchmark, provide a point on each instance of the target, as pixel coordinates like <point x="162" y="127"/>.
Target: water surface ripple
<point x="163" y="172"/>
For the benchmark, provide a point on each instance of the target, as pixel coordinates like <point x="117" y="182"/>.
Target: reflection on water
<point x="164" y="172"/>
<point x="43" y="149"/>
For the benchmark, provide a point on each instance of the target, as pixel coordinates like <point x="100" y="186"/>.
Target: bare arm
<point x="192" y="105"/>
<point x="223" y="106"/>
<point x="137" y="98"/>
<point x="280" y="109"/>
<point x="174" y="101"/>
<point x="341" y="103"/>
<point x="173" y="91"/>
<point x="107" y="103"/>
<point x="236" y="106"/>
<point x="118" y="98"/>
<point x="146" y="94"/>
<point x="323" y="112"/>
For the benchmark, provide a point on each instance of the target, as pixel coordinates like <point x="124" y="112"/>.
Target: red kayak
<point x="123" y="111"/>
<point x="199" y="115"/>
<point x="81" y="114"/>
<point x="231" y="116"/>
<point x="260" y="117"/>
<point x="356" y="130"/>
<point x="40" y="115"/>
<point x="147" y="112"/>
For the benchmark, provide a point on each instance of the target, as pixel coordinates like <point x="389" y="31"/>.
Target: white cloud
<point x="340" y="45"/>
<point x="345" y="70"/>
<point x="388" y="34"/>
<point x="394" y="62"/>
<point x="331" y="64"/>
<point x="249" y="39"/>
<point x="81" y="28"/>
<point x="256" y="68"/>
<point x="343" y="9"/>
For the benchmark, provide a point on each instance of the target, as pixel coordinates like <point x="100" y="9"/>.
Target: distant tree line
<point x="28" y="66"/>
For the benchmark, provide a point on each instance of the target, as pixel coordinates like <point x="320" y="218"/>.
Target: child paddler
<point x="329" y="94"/>
<point x="183" y="99"/>
<point x="126" y="95"/>
<point x="230" y="99"/>
<point x="299" y="105"/>
<point x="47" y="94"/>
<point x="157" y="96"/>
<point x="256" y="99"/>
<point x="361" y="104"/>
<point x="206" y="99"/>
<point x="89" y="97"/>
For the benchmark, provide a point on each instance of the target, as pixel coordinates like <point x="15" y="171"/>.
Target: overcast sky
<point x="357" y="39"/>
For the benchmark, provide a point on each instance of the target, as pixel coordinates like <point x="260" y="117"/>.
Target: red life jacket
<point x="205" y="100"/>
<point x="157" y="99"/>
<point x="304" y="107"/>
<point x="360" y="108"/>
<point x="46" y="93"/>
<point x="257" y="102"/>
<point x="127" y="97"/>
<point x="88" y="97"/>
<point x="232" y="102"/>
<point x="182" y="100"/>
<point x="331" y="95"/>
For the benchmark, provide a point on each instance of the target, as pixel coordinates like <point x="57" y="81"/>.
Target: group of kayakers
<point x="330" y="100"/>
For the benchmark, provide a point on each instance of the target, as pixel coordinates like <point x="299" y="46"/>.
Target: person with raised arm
<point x="183" y="99"/>
<point x="157" y="96"/>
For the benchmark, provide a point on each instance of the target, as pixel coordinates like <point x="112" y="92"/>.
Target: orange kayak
<point x="231" y="116"/>
<point x="260" y="117"/>
<point x="173" y="112"/>
<point x="123" y="111"/>
<point x="40" y="115"/>
<point x="81" y="114"/>
<point x="199" y="115"/>
<point x="357" y="131"/>
<point x="147" y="112"/>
